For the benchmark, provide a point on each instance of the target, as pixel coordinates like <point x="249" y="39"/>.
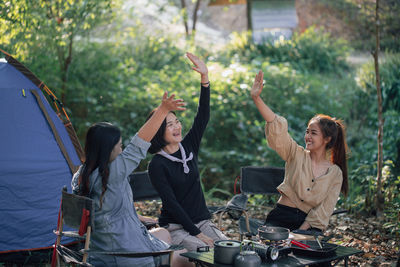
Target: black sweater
<point x="181" y="194"/>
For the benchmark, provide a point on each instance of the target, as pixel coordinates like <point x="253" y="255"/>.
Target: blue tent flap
<point x="33" y="168"/>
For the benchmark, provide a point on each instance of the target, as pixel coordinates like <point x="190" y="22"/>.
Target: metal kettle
<point x="247" y="258"/>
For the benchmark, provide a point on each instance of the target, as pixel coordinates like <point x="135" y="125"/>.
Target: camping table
<point x="341" y="253"/>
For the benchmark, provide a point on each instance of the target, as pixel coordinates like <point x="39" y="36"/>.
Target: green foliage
<point x="362" y="182"/>
<point x="363" y="178"/>
<point x="122" y="80"/>
<point x="390" y="75"/>
<point x="393" y="216"/>
<point x="311" y="51"/>
<point x="121" y="83"/>
<point x="359" y="17"/>
<point x="51" y="28"/>
<point x="25" y="24"/>
<point x="390" y="84"/>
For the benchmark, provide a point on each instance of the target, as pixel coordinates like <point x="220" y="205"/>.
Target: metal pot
<point x="225" y="251"/>
<point x="273" y="233"/>
<point x="247" y="258"/>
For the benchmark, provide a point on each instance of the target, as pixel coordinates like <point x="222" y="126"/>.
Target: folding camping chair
<point x="255" y="180"/>
<point x="142" y="189"/>
<point x="77" y="212"/>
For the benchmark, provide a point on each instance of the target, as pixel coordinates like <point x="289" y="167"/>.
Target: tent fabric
<point x="33" y="169"/>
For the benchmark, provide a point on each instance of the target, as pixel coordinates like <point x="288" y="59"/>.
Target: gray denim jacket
<point x="117" y="226"/>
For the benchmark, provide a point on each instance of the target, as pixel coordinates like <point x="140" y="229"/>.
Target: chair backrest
<point x="142" y="188"/>
<point x="260" y="180"/>
<point x="73" y="206"/>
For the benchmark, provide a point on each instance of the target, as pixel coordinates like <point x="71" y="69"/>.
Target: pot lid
<point x="227" y="243"/>
<point x="273" y="229"/>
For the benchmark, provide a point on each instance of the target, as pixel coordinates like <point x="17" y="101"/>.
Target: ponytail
<point x="339" y="155"/>
<point x="333" y="128"/>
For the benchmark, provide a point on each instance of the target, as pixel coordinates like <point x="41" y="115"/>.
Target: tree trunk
<point x="249" y="17"/>
<point x="64" y="70"/>
<point x="196" y="9"/>
<point x="379" y="196"/>
<point x="185" y="17"/>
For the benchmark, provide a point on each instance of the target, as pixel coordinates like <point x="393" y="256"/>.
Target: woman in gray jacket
<point x="104" y="178"/>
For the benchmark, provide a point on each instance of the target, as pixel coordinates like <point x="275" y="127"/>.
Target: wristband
<point x="205" y="84"/>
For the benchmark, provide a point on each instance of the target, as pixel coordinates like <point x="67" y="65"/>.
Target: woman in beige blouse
<point x="314" y="175"/>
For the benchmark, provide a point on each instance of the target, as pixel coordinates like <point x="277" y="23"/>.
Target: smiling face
<point x="116" y="150"/>
<point x="173" y="130"/>
<point x="314" y="138"/>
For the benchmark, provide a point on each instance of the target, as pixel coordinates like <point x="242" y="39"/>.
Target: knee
<point x="166" y="235"/>
<point x="163" y="234"/>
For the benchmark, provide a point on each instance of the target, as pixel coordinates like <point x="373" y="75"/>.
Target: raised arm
<point x="136" y="150"/>
<point x="150" y="128"/>
<point x="200" y="67"/>
<point x="202" y="117"/>
<point x="256" y="90"/>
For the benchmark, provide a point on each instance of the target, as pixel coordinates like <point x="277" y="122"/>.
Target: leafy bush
<point x="310" y="51"/>
<point x="122" y="82"/>
<point x="363" y="178"/>
<point x="359" y="19"/>
<point x="367" y="107"/>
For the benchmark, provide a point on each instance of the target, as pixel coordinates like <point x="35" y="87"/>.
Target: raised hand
<point x="257" y="85"/>
<point x="256" y="90"/>
<point x="170" y="103"/>
<point x="151" y="126"/>
<point x="199" y="65"/>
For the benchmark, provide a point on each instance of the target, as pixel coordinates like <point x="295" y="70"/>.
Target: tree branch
<point x="184" y="10"/>
<point x="196" y="9"/>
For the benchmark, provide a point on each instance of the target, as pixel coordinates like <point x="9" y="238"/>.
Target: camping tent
<point x="39" y="153"/>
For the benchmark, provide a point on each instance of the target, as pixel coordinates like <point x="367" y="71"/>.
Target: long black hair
<point x="334" y="128"/>
<point x="101" y="138"/>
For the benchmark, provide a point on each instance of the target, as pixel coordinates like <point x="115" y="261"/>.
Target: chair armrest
<point x="237" y="202"/>
<point x="131" y="254"/>
<point x="73" y="234"/>
<point x="339" y="211"/>
<point x="215" y="209"/>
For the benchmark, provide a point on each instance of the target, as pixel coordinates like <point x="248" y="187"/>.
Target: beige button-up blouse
<point x="316" y="196"/>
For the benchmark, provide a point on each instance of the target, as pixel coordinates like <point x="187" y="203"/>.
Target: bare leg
<point x="177" y="259"/>
<point x="162" y="234"/>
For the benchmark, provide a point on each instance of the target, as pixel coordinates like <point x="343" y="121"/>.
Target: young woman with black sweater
<point x="174" y="173"/>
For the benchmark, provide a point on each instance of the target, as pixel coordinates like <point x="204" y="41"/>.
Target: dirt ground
<point x="367" y="234"/>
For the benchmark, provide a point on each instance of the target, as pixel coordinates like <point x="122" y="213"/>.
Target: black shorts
<point x="285" y="216"/>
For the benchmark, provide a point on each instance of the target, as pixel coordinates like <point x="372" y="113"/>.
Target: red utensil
<point x="299" y="244"/>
